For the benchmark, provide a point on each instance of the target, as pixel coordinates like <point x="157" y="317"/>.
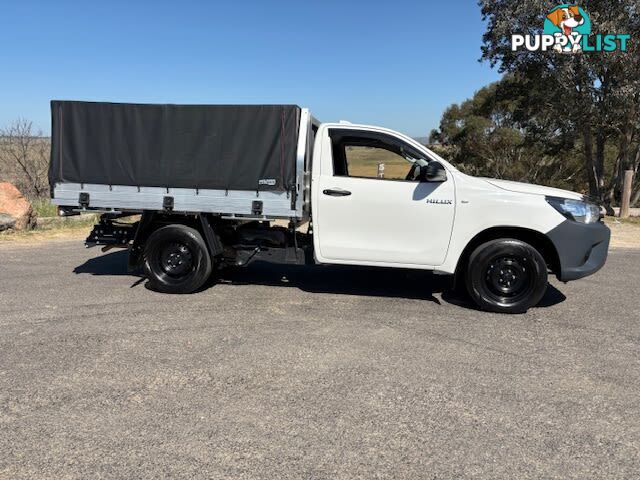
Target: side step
<point x="287" y="255"/>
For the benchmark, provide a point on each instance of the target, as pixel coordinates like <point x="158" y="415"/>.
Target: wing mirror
<point x="433" y="172"/>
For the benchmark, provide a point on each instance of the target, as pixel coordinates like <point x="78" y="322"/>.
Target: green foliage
<point x="495" y="134"/>
<point x="44" y="208"/>
<point x="593" y="97"/>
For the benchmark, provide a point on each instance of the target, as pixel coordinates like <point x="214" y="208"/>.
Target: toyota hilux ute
<point x="224" y="185"/>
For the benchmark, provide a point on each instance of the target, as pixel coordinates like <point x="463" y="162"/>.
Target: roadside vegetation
<point x="24" y="159"/>
<point x="569" y="121"/>
<point x="624" y="221"/>
<point x="44" y="208"/>
<point x="52" y="228"/>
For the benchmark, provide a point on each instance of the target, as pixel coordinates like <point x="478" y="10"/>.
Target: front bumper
<point x="582" y="249"/>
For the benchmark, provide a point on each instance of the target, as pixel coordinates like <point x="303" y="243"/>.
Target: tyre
<point x="506" y="276"/>
<point x="176" y="260"/>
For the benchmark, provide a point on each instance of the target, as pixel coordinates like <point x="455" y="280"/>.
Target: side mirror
<point x="433" y="172"/>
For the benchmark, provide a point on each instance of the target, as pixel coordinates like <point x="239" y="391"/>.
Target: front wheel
<point x="176" y="260"/>
<point x="506" y="276"/>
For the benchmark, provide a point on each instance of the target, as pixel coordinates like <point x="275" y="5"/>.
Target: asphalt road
<point x="310" y="373"/>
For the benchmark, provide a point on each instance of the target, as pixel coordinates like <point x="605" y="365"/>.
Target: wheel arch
<point x="152" y="221"/>
<point x="536" y="239"/>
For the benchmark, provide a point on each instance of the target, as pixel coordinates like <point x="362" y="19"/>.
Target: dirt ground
<point x="624" y="234"/>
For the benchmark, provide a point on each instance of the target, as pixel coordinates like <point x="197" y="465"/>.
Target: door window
<point x="365" y="154"/>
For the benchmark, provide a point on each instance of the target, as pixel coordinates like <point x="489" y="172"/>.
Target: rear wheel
<point x="506" y="276"/>
<point x="176" y="260"/>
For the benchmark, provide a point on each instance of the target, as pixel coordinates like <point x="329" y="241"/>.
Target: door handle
<point x="336" y="192"/>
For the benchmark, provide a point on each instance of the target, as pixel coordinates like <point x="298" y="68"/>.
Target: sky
<point x="396" y="64"/>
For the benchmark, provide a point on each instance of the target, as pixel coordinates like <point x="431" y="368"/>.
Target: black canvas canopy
<point x="235" y="147"/>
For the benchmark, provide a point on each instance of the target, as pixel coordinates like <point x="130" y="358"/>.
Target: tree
<point x="594" y="95"/>
<point x="25" y="158"/>
<point x="497" y="134"/>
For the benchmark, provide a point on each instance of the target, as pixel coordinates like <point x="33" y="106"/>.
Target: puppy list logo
<point x="567" y="29"/>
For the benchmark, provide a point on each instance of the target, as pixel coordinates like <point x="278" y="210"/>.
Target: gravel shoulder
<point x="624" y="234"/>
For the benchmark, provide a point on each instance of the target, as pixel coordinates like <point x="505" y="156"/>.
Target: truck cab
<point x="421" y="212"/>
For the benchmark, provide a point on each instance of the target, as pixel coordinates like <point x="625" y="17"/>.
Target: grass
<point x="58" y="227"/>
<point x="363" y="162"/>
<point x="627" y="221"/>
<point x="625" y="232"/>
<point x="50" y="226"/>
<point x="44" y="208"/>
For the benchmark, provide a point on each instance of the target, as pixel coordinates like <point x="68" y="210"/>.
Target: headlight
<point x="577" y="210"/>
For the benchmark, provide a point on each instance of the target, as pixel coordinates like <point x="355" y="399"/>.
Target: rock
<point x="14" y="204"/>
<point x="6" y="222"/>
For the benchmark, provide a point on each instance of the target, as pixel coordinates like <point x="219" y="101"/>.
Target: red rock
<point x="13" y="203"/>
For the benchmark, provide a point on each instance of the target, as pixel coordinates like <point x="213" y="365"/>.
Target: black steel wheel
<point x="176" y="259"/>
<point x="506" y="276"/>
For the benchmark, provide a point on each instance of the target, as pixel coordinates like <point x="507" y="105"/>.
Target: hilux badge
<point x="439" y="202"/>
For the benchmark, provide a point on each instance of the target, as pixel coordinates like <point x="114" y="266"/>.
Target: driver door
<point x="370" y="209"/>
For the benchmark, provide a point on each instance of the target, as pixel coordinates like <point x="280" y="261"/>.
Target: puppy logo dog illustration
<point x="570" y="21"/>
<point x="566" y="18"/>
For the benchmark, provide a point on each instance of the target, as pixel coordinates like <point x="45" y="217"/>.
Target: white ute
<point x="413" y="210"/>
